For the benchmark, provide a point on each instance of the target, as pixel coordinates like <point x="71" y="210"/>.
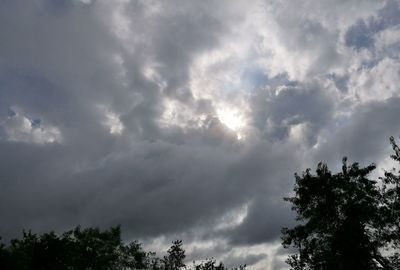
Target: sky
<point x="186" y="119"/>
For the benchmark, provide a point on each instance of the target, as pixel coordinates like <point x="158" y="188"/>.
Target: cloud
<point x="21" y="128"/>
<point x="187" y="119"/>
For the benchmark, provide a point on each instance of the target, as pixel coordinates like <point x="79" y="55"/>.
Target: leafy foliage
<point x="390" y="233"/>
<point x="175" y="258"/>
<point x="90" y="249"/>
<point x="211" y="264"/>
<point x="346" y="219"/>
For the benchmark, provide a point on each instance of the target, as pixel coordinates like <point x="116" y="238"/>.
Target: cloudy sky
<point x="186" y="119"/>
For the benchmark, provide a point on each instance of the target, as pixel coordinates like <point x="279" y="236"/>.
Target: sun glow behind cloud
<point x="217" y="76"/>
<point x="232" y="119"/>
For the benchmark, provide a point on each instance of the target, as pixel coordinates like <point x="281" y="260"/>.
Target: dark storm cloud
<point x="91" y="174"/>
<point x="278" y="109"/>
<point x="364" y="137"/>
<point x="110" y="112"/>
<point x="264" y="222"/>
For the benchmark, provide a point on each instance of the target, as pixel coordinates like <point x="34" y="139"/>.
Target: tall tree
<point x="342" y="220"/>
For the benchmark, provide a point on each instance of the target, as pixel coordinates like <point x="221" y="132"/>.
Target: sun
<point x="232" y="119"/>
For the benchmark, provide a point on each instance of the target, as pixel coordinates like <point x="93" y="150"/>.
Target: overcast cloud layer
<point x="187" y="119"/>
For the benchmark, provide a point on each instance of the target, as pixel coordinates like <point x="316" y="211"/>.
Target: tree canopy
<point x="91" y="249"/>
<point x="346" y="220"/>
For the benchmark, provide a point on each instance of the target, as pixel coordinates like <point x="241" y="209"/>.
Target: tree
<point x="391" y="207"/>
<point x="175" y="258"/>
<point x="132" y="256"/>
<point x="209" y="264"/>
<point x="89" y="249"/>
<point x="345" y="218"/>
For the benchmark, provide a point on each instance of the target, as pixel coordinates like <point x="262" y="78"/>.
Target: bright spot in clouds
<point x="231" y="118"/>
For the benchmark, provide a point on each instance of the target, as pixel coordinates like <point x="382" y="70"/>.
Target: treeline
<point x="347" y="220"/>
<point x="92" y="249"/>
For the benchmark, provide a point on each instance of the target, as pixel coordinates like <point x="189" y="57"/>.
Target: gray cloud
<point x="364" y="137"/>
<point x="361" y="34"/>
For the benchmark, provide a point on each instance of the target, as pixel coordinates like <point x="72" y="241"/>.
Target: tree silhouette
<point x="391" y="208"/>
<point x="90" y="249"/>
<point x="346" y="219"/>
<point x="211" y="264"/>
<point x="175" y="258"/>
